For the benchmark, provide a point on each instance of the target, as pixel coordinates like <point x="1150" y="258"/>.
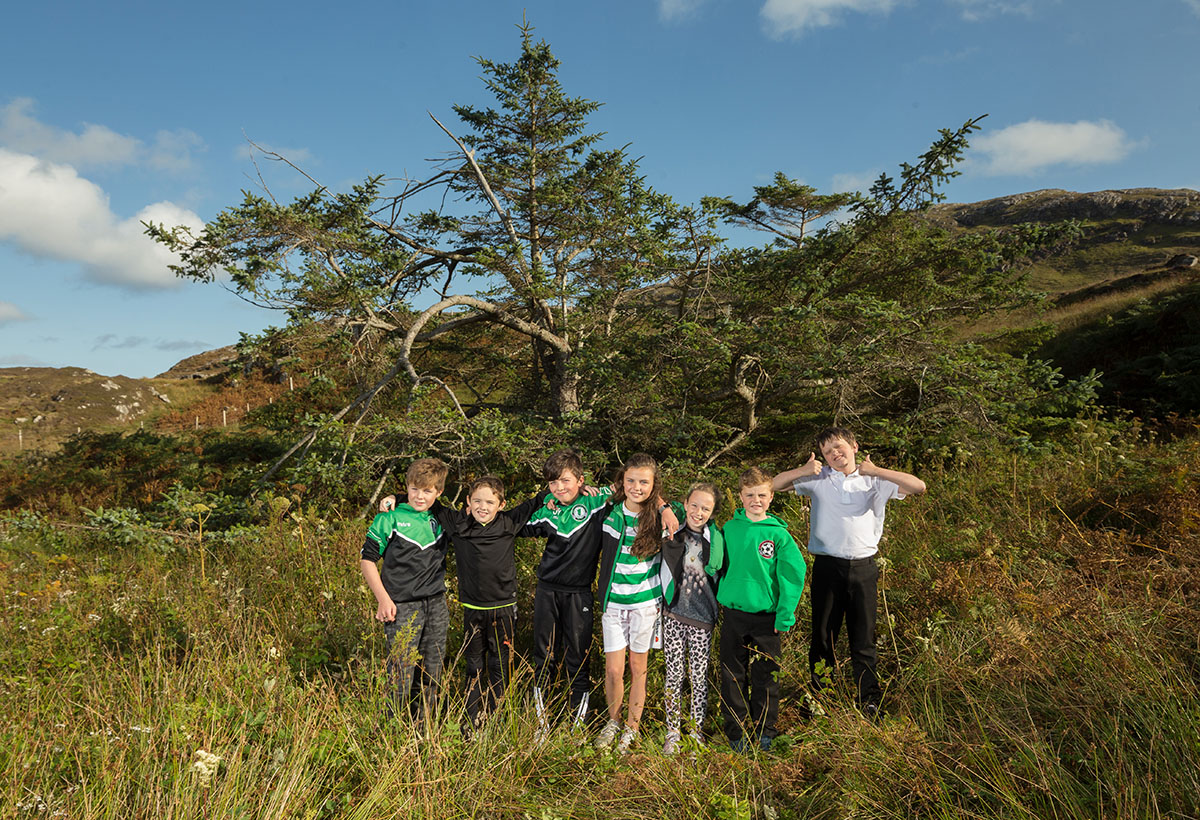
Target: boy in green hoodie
<point x="760" y="588"/>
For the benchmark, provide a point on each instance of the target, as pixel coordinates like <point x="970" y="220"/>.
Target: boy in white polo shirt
<point x="845" y="525"/>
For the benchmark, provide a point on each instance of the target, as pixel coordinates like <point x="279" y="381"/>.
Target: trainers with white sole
<point x="608" y="734"/>
<point x="628" y="738"/>
<point x="671" y="747"/>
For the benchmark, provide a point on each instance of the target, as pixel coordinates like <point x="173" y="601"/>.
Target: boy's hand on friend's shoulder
<point x="588" y="489"/>
<point x="387" y="503"/>
<point x="811" y="467"/>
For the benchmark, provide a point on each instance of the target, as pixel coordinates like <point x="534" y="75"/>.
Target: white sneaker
<point x="627" y="739"/>
<point x="671" y="747"/>
<point x="608" y="734"/>
<point x="696" y="738"/>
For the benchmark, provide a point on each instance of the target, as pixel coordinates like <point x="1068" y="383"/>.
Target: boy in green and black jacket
<point x="410" y="590"/>
<point x="763" y="577"/>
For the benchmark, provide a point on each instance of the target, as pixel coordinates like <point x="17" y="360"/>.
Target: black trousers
<point x="562" y="637"/>
<point x="487" y="649"/>
<point x="750" y="652"/>
<point x="845" y="589"/>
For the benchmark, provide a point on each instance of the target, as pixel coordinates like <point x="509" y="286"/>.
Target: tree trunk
<point x="564" y="384"/>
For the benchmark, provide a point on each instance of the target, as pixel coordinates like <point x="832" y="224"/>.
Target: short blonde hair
<point x="427" y="472"/>
<point x="753" y="477"/>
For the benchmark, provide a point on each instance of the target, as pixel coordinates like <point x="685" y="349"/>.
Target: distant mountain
<point x="1148" y="233"/>
<point x="202" y="365"/>
<point x="44" y="405"/>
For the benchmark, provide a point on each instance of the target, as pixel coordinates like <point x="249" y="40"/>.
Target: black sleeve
<point x="520" y="514"/>
<point x="370" y="551"/>
<point x="447" y="517"/>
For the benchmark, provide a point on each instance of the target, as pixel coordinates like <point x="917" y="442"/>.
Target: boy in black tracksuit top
<point x="563" y="602"/>
<point x="483" y="539"/>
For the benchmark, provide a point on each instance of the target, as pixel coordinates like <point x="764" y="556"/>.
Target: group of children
<point x="661" y="577"/>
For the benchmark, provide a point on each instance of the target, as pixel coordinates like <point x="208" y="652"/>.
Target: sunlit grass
<point x="1039" y="651"/>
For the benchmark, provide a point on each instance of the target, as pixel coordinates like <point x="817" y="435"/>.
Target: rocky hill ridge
<point x="1180" y="206"/>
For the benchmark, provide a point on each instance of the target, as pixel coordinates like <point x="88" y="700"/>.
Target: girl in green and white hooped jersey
<point x="630" y="593"/>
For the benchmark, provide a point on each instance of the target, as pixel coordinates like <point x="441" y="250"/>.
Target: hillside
<point x="44" y="405"/>
<point x="1135" y="244"/>
<point x="1147" y="233"/>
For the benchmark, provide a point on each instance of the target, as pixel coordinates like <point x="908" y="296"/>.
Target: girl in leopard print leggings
<point x="690" y="559"/>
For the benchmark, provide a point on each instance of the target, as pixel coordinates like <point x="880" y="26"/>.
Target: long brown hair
<point x="649" y="532"/>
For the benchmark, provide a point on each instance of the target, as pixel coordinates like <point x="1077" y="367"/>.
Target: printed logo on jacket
<point x="767" y="549"/>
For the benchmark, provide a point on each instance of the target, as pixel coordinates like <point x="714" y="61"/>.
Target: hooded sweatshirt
<point x="763" y="570"/>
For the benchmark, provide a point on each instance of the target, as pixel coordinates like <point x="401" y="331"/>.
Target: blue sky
<point x="113" y="115"/>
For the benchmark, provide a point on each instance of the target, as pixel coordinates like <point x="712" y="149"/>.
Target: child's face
<point x="638" y="483"/>
<point x="699" y="508"/>
<point x="756" y="500"/>
<point x="421" y="498"/>
<point x="839" y="454"/>
<point x="484" y="504"/>
<point x="566" y="487"/>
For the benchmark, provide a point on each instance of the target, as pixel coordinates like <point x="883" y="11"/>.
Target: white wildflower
<point x="34" y="803"/>
<point x="206" y="766"/>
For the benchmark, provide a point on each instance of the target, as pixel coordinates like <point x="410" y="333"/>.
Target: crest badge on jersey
<point x="578" y="512"/>
<point x="767" y="549"/>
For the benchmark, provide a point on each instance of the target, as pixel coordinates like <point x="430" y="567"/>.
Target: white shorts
<point x="629" y="627"/>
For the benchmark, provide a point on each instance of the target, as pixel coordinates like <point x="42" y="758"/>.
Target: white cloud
<point x="976" y="10"/>
<point x="48" y="210"/>
<point x="11" y="313"/>
<point x="1194" y="5"/>
<point x="1031" y="146"/>
<point x="172" y="345"/>
<point x="794" y="16"/>
<point x="849" y="183"/>
<point x="259" y="151"/>
<point x="671" y="10"/>
<point x="95" y="146"/>
<point x="111" y="341"/>
<point x="21" y="360"/>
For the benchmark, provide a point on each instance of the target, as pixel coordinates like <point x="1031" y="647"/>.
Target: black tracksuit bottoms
<point x="750" y="652"/>
<point x="487" y="650"/>
<point x="562" y="635"/>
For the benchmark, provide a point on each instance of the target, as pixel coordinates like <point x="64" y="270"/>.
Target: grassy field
<point x="1040" y="641"/>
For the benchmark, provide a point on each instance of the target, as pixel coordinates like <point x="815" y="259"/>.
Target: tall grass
<point x="1038" y="638"/>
